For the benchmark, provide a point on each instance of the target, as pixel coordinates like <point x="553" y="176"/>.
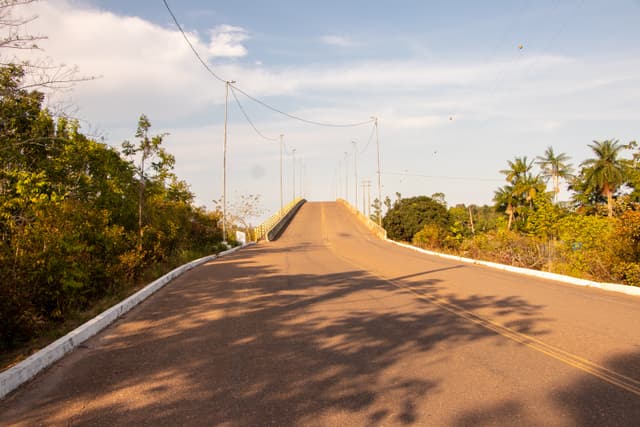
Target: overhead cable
<point x="462" y="178"/>
<point x="246" y="116"/>
<point x="202" y="61"/>
<point x="254" y="99"/>
<point x="373" y="128"/>
<point x="291" y="116"/>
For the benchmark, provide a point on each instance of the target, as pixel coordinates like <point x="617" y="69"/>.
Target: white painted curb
<point x="614" y="287"/>
<point x="17" y="375"/>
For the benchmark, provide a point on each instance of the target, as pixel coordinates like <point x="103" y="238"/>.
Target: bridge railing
<point x="371" y="225"/>
<point x="260" y="232"/>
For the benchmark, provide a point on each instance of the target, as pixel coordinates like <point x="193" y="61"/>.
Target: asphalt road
<point x="329" y="326"/>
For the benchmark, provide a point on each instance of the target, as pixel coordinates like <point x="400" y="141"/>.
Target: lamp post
<point x="346" y="176"/>
<point x="339" y="179"/>
<point x="355" y="170"/>
<point x="281" y="149"/>
<point x="375" y="123"/>
<point x="293" y="153"/>
<point x="224" y="164"/>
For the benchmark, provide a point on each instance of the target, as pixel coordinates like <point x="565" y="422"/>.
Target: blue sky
<point x="455" y="96"/>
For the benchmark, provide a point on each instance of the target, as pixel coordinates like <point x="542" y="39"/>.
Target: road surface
<point x="329" y="326"/>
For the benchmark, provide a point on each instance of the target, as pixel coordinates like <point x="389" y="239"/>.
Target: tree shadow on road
<point x="238" y="342"/>
<point x="586" y="401"/>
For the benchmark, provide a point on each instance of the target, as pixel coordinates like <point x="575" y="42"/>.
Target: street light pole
<point x="281" y="149"/>
<point x="346" y="176"/>
<point x="294" y="173"/>
<point x="355" y="170"/>
<point x="224" y="164"/>
<point x="339" y="179"/>
<point x="375" y="123"/>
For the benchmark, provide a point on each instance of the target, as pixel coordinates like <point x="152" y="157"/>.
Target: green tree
<point x="555" y="167"/>
<point x="376" y="216"/>
<point x="605" y="172"/>
<point x="148" y="150"/>
<point x="516" y="198"/>
<point x="409" y="216"/>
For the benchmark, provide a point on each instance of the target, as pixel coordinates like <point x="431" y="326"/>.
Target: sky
<point x="459" y="88"/>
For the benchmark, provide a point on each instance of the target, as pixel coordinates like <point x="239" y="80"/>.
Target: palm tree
<point x="518" y="169"/>
<point x="606" y="172"/>
<point x="521" y="190"/>
<point x="555" y="167"/>
<point x="504" y="199"/>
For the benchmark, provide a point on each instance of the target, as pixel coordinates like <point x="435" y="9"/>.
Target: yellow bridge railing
<point x="261" y="231"/>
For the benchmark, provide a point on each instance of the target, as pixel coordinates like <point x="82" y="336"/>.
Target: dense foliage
<point x="78" y="220"/>
<point x="408" y="216"/>
<point x="595" y="236"/>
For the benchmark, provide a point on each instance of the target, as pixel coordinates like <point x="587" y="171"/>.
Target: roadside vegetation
<point x="82" y="224"/>
<point x="596" y="235"/>
<point x="81" y="221"/>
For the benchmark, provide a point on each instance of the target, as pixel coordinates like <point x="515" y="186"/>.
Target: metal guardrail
<point x="261" y="231"/>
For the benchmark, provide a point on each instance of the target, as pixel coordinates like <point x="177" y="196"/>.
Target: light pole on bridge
<point x="293" y="167"/>
<point x="355" y="170"/>
<point x="375" y="123"/>
<point x="224" y="164"/>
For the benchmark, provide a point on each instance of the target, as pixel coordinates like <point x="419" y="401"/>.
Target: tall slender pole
<point x="281" y="150"/>
<point x="346" y="176"/>
<point x="294" y="173"/>
<point x="339" y="179"/>
<point x="375" y="123"/>
<point x="369" y="199"/>
<point x="224" y="164"/>
<point x="355" y="170"/>
<point x="301" y="192"/>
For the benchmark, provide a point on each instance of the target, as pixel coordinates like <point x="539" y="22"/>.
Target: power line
<point x="254" y="99"/>
<point x="373" y="129"/>
<point x="202" y="61"/>
<point x="291" y="116"/>
<point x="462" y="178"/>
<point x="246" y="116"/>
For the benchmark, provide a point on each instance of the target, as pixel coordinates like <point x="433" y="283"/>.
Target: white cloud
<point x="149" y="68"/>
<point x="226" y="41"/>
<point x="338" y="41"/>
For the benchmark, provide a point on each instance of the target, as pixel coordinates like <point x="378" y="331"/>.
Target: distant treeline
<point x="596" y="235"/>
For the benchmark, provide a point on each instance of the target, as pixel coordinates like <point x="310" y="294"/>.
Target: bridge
<point x="331" y="325"/>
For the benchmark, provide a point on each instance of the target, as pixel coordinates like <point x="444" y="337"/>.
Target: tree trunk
<point x="609" y="201"/>
<point x="556" y="188"/>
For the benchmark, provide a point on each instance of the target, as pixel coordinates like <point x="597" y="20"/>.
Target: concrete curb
<point x="614" y="287"/>
<point x="17" y="375"/>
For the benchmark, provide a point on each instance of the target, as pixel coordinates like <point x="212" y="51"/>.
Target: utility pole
<point x="301" y="192"/>
<point x="364" y="200"/>
<point x="346" y="176"/>
<point x="224" y="164"/>
<point x="281" y="150"/>
<point x="293" y="167"/>
<point x="375" y="123"/>
<point x="355" y="170"/>
<point x="339" y="179"/>
<point x="368" y="199"/>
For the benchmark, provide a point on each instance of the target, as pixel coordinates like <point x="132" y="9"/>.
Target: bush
<point x="409" y="216"/>
<point x="586" y="247"/>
